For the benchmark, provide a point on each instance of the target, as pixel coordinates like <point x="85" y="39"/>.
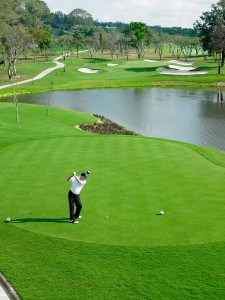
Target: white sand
<point x="150" y="60"/>
<point x="181" y="68"/>
<point x="112" y="65"/>
<point x="165" y="71"/>
<point x="184" y="63"/>
<point x="87" y="70"/>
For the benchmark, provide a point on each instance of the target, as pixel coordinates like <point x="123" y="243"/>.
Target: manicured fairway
<point x="132" y="180"/>
<point x="122" y="248"/>
<point x="131" y="73"/>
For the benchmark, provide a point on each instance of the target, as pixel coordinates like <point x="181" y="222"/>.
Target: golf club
<point x="79" y="172"/>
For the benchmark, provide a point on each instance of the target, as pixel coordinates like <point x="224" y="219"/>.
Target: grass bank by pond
<point x="122" y="248"/>
<point x="132" y="73"/>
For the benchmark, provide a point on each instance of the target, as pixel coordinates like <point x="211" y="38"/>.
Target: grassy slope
<point x="42" y="267"/>
<point x="47" y="258"/>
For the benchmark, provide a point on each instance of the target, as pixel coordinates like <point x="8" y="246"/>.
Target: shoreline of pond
<point x="217" y="87"/>
<point x="187" y="115"/>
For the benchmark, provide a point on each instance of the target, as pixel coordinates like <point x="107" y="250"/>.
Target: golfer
<point x="78" y="183"/>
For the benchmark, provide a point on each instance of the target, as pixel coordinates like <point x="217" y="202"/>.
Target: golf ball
<point x="161" y="212"/>
<point x="8" y="219"/>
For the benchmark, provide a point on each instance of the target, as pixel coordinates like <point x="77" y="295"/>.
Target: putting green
<point x="132" y="179"/>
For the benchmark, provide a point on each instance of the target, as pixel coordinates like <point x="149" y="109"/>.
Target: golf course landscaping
<point x="122" y="248"/>
<point x="103" y="72"/>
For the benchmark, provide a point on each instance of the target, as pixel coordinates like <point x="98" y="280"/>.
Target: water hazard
<point x="193" y="116"/>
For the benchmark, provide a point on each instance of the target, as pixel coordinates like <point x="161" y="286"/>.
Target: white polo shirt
<point x="76" y="186"/>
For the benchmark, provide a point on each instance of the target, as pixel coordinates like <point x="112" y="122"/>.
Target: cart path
<point x="7" y="292"/>
<point x="41" y="75"/>
<point x="3" y="295"/>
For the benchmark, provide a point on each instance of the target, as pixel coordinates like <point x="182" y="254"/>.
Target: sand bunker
<point x="87" y="70"/>
<point x="112" y="65"/>
<point x="184" y="63"/>
<point x="181" y="68"/>
<point x="165" y="71"/>
<point x="150" y="60"/>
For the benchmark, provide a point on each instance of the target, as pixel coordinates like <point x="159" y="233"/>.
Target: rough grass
<point x="132" y="254"/>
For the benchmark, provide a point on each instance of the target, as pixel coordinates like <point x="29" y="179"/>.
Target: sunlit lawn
<point x="122" y="248"/>
<point x="134" y="72"/>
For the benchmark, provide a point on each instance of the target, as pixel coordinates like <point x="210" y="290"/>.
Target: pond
<point x="193" y="116"/>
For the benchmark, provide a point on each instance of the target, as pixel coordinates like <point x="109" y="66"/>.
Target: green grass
<point x="42" y="267"/>
<point x="132" y="254"/>
<point x="131" y="73"/>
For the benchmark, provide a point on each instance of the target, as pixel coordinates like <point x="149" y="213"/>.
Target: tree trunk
<point x="219" y="62"/>
<point x="14" y="67"/>
<point x="77" y="50"/>
<point x="223" y="58"/>
<point x="46" y="56"/>
<point x="10" y="70"/>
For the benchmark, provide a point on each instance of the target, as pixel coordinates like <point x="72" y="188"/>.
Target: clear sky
<point x="167" y="13"/>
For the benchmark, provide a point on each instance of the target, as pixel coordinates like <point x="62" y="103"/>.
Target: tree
<point x="159" y="41"/>
<point x="92" y="43"/>
<point x="217" y="43"/>
<point x="138" y="33"/>
<point x="185" y="45"/>
<point x="101" y="42"/>
<point x="58" y="20"/>
<point x="207" y="24"/>
<point x="80" y="19"/>
<point x="111" y="42"/>
<point x="11" y="34"/>
<point x="9" y="13"/>
<point x="13" y="40"/>
<point x="196" y="43"/>
<point x="123" y="45"/>
<point x="34" y="13"/>
<point x="64" y="41"/>
<point x="174" y="30"/>
<point x="77" y="40"/>
<point x="179" y="47"/>
<point x="43" y="39"/>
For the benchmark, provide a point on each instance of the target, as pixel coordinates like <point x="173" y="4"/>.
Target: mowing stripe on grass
<point x="132" y="180"/>
<point x="42" y="267"/>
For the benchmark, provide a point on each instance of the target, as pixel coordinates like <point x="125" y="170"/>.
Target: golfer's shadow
<point x="40" y="220"/>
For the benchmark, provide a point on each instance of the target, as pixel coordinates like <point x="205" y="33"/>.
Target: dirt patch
<point x="105" y="126"/>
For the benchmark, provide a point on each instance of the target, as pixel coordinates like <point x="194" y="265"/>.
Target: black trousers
<point x="74" y="199"/>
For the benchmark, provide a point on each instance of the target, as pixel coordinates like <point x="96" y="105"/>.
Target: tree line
<point x="28" y="26"/>
<point x="211" y="31"/>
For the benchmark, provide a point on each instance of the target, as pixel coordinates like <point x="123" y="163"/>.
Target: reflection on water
<point x="220" y="96"/>
<point x="194" y="116"/>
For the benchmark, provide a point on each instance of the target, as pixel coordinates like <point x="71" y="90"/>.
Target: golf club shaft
<point x="88" y="172"/>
